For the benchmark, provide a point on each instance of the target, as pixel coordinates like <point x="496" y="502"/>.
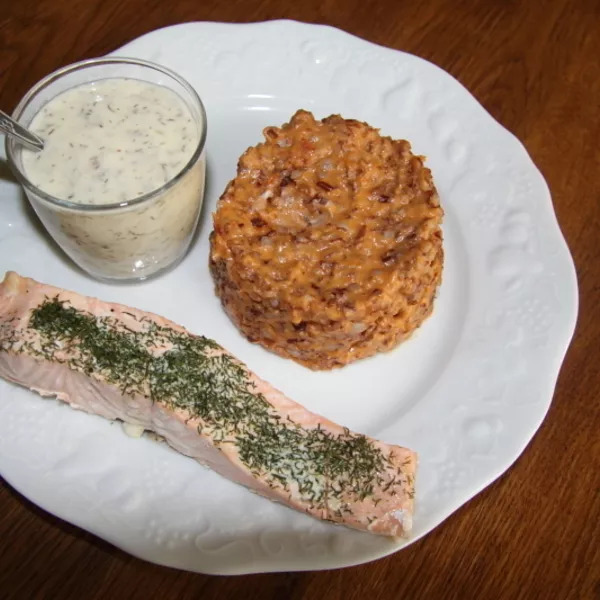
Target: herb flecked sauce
<point x="109" y="142"/>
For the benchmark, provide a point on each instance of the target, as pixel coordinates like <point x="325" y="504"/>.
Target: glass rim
<point x="11" y="145"/>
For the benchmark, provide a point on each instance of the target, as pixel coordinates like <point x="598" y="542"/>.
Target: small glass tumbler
<point x="133" y="239"/>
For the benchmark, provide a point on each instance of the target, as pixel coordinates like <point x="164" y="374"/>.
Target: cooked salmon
<point x="123" y="363"/>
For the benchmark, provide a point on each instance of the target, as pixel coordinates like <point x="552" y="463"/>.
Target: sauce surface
<point x="110" y="141"/>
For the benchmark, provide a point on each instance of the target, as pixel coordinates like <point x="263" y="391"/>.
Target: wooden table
<point x="534" y="533"/>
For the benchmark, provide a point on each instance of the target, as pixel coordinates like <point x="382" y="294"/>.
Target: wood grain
<point x="534" y="533"/>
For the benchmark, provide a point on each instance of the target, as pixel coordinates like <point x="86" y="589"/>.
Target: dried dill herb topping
<point x="192" y="373"/>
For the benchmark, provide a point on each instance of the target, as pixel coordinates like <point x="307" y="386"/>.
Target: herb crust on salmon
<point x="150" y="372"/>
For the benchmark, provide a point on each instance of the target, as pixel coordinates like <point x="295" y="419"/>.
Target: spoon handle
<point x="11" y="128"/>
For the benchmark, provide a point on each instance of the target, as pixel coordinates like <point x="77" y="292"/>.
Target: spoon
<point x="13" y="129"/>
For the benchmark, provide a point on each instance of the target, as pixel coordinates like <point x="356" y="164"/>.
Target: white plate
<point x="467" y="392"/>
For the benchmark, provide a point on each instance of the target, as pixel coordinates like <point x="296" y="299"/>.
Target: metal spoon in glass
<point x="13" y="129"/>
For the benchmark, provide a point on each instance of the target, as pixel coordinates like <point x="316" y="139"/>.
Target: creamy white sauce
<point x="109" y="142"/>
<point x="134" y="431"/>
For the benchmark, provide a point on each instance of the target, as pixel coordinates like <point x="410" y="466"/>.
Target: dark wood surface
<point x="534" y="533"/>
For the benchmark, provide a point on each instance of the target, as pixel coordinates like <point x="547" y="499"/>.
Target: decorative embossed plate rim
<point x="468" y="391"/>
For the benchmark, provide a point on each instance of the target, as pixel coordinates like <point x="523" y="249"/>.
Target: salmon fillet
<point x="123" y="363"/>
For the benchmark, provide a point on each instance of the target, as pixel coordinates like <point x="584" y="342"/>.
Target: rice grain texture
<point x="327" y="245"/>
